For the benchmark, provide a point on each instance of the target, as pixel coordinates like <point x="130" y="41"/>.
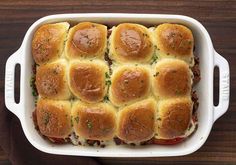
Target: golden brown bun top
<point x="94" y="121"/>
<point x="136" y="122"/>
<point x="129" y="83"/>
<point x="172" y="78"/>
<point x="86" y="39"/>
<point x="174" y="117"/>
<point x="48" y="40"/>
<point x="51" y="80"/>
<point x="174" y="39"/>
<point x="87" y="80"/>
<point x="53" y="118"/>
<point x="131" y="42"/>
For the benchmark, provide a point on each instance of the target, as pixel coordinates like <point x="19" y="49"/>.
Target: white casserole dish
<point x="207" y="112"/>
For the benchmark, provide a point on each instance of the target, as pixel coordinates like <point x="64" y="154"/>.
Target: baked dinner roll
<point x="51" y="80"/>
<point x="86" y="39"/>
<point x="53" y="118"/>
<point x="48" y="42"/>
<point x="87" y="80"/>
<point x="171" y="78"/>
<point x="174" y="41"/>
<point x="174" y="116"/>
<point x="129" y="83"/>
<point x="94" y="121"/>
<point x="136" y="122"/>
<point x="131" y="42"/>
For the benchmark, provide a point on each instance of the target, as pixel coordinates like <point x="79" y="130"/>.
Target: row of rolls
<point x="130" y="82"/>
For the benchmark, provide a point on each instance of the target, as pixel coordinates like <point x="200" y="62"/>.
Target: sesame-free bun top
<point x="94" y="121"/>
<point x="174" y="116"/>
<point x="130" y="43"/>
<point x="136" y="122"/>
<point x="51" y="80"/>
<point x="86" y="40"/>
<point x="48" y="42"/>
<point x="129" y="83"/>
<point x="87" y="80"/>
<point x="175" y="41"/>
<point x="53" y="118"/>
<point x="171" y="78"/>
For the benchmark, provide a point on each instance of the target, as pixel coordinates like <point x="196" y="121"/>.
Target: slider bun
<point x="174" y="40"/>
<point x="86" y="39"/>
<point x="136" y="123"/>
<point x="94" y="121"/>
<point x="51" y="80"/>
<point x="174" y="116"/>
<point x="87" y="80"/>
<point x="131" y="42"/>
<point x="48" y="42"/>
<point x="129" y="83"/>
<point x="172" y="78"/>
<point x="53" y="118"/>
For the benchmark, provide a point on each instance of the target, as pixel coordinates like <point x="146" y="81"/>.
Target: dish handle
<point x="11" y="63"/>
<point x="224" y="86"/>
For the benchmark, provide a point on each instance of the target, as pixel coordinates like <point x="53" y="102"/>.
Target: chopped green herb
<point x="156" y="74"/>
<point x="76" y="119"/>
<point x="34" y="93"/>
<point x="108" y="82"/>
<point x="71" y="121"/>
<point x="106" y="98"/>
<point x="154" y="59"/>
<point x="89" y="124"/>
<point x="145" y="34"/>
<point x="46" y="118"/>
<point x="107" y="75"/>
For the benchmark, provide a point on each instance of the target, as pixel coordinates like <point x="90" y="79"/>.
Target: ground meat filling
<point x="195" y="101"/>
<point x="196" y="71"/>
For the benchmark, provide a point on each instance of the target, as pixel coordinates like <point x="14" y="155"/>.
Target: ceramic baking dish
<point x="207" y="112"/>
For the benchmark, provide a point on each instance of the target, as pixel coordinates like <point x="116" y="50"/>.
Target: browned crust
<point x="48" y="41"/>
<point x="132" y="42"/>
<point x="51" y="81"/>
<point x="174" y="39"/>
<point x="136" y="122"/>
<point x="129" y="84"/>
<point x="174" y="117"/>
<point x="87" y="81"/>
<point x="86" y="39"/>
<point x="172" y="79"/>
<point x="94" y="122"/>
<point x="53" y="118"/>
